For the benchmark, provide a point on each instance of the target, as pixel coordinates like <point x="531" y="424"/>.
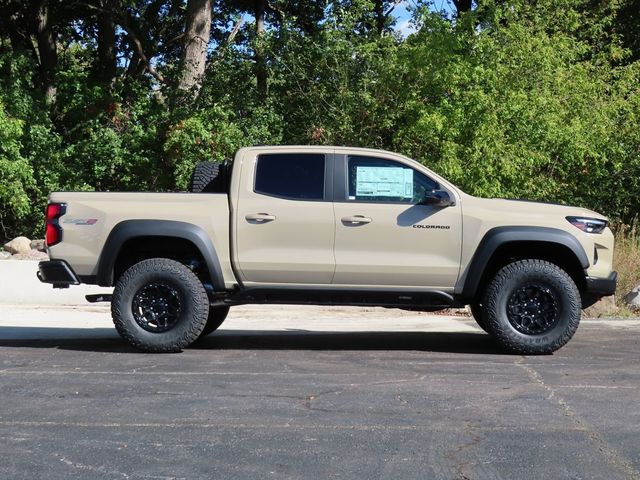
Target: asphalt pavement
<point x="306" y="392"/>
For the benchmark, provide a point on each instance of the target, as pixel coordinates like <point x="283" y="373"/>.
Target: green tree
<point x="16" y="175"/>
<point x="513" y="98"/>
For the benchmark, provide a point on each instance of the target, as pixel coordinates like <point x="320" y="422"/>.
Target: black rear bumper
<point x="602" y="286"/>
<point x="58" y="273"/>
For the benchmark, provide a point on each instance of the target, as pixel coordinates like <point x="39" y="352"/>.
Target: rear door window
<point x="293" y="176"/>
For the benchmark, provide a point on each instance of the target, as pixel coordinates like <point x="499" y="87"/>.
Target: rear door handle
<point x="356" y="220"/>
<point x="260" y="217"/>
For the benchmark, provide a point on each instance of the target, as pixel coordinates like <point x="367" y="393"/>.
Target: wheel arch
<point x="167" y="233"/>
<point x="501" y="245"/>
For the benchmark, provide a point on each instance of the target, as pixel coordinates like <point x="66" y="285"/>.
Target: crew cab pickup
<point x="328" y="226"/>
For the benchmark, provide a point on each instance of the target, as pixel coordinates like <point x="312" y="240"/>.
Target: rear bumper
<point x="58" y="273"/>
<point x="603" y="286"/>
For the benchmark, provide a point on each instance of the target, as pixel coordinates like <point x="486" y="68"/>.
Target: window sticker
<point x="384" y="182"/>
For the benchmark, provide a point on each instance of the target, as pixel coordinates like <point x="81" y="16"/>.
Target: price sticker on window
<point x="396" y="182"/>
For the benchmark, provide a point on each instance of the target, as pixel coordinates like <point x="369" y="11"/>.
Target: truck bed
<point x="91" y="216"/>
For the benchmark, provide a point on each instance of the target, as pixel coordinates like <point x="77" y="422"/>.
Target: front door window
<point x="374" y="179"/>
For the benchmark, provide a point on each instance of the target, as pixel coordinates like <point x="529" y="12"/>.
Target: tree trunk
<point x="196" y="40"/>
<point x="462" y="6"/>
<point x="133" y="69"/>
<point x="261" y="67"/>
<point x="47" y="50"/>
<point x="107" y="43"/>
<point x="20" y="41"/>
<point x="140" y="60"/>
<point x="380" y="16"/>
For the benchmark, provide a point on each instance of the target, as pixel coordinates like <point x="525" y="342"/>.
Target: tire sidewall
<point x="208" y="177"/>
<point x="477" y="311"/>
<point x="217" y="316"/>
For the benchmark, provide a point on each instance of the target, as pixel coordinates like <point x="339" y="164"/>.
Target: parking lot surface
<point x="305" y="392"/>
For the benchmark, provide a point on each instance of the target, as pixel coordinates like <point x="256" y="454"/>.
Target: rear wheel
<point x="159" y="305"/>
<point x="532" y="307"/>
<point x="217" y="315"/>
<point x="478" y="315"/>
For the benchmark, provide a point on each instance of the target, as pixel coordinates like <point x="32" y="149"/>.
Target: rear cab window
<point x="292" y="176"/>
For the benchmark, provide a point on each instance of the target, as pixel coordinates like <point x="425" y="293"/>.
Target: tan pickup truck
<point x="328" y="226"/>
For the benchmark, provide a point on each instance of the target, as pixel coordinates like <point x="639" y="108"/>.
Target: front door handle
<point x="356" y="220"/>
<point x="260" y="217"/>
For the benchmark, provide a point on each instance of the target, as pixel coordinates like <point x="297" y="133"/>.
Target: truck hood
<point x="535" y="207"/>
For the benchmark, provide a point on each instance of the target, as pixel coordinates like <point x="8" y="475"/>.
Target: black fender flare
<point x="130" y="229"/>
<point x="469" y="281"/>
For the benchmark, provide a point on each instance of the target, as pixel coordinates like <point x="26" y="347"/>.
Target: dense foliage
<point x="508" y="98"/>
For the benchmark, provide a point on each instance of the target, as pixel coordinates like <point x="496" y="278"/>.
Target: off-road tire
<point x="477" y="311"/>
<point x="208" y="177"/>
<point x="517" y="276"/>
<point x="192" y="316"/>
<point x="217" y="315"/>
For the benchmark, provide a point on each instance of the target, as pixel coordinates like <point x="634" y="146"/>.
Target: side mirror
<point x="437" y="198"/>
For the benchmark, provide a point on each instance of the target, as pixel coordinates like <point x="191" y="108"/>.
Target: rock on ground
<point x="38" y="245"/>
<point x="18" y="245"/>
<point x="632" y="299"/>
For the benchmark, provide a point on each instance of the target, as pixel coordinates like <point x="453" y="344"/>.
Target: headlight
<point x="588" y="225"/>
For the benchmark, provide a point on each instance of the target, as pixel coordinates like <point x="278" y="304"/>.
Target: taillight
<point x="53" y="233"/>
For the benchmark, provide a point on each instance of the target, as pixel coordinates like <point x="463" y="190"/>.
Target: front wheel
<point x="159" y="305"/>
<point x="532" y="307"/>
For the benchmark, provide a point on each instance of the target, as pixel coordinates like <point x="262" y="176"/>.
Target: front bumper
<point x="602" y="286"/>
<point x="58" y="273"/>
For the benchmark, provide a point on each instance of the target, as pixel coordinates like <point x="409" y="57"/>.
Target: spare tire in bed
<point x="209" y="177"/>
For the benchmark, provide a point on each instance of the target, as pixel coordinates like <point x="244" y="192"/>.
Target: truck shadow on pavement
<point x="452" y="342"/>
<point x="107" y="340"/>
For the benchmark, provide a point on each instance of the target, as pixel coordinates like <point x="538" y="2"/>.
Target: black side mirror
<point x="437" y="198"/>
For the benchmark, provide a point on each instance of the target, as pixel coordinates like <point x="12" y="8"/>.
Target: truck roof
<point x="318" y="148"/>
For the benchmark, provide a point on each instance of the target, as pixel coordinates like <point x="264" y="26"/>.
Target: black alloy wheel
<point x="156" y="307"/>
<point x="533" y="309"/>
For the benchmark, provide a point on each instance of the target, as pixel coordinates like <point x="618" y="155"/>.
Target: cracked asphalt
<point x="307" y="392"/>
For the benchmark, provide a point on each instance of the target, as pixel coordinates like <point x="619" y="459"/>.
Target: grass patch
<point x="626" y="258"/>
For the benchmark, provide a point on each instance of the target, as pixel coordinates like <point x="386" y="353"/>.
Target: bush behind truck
<point x="329" y="226"/>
